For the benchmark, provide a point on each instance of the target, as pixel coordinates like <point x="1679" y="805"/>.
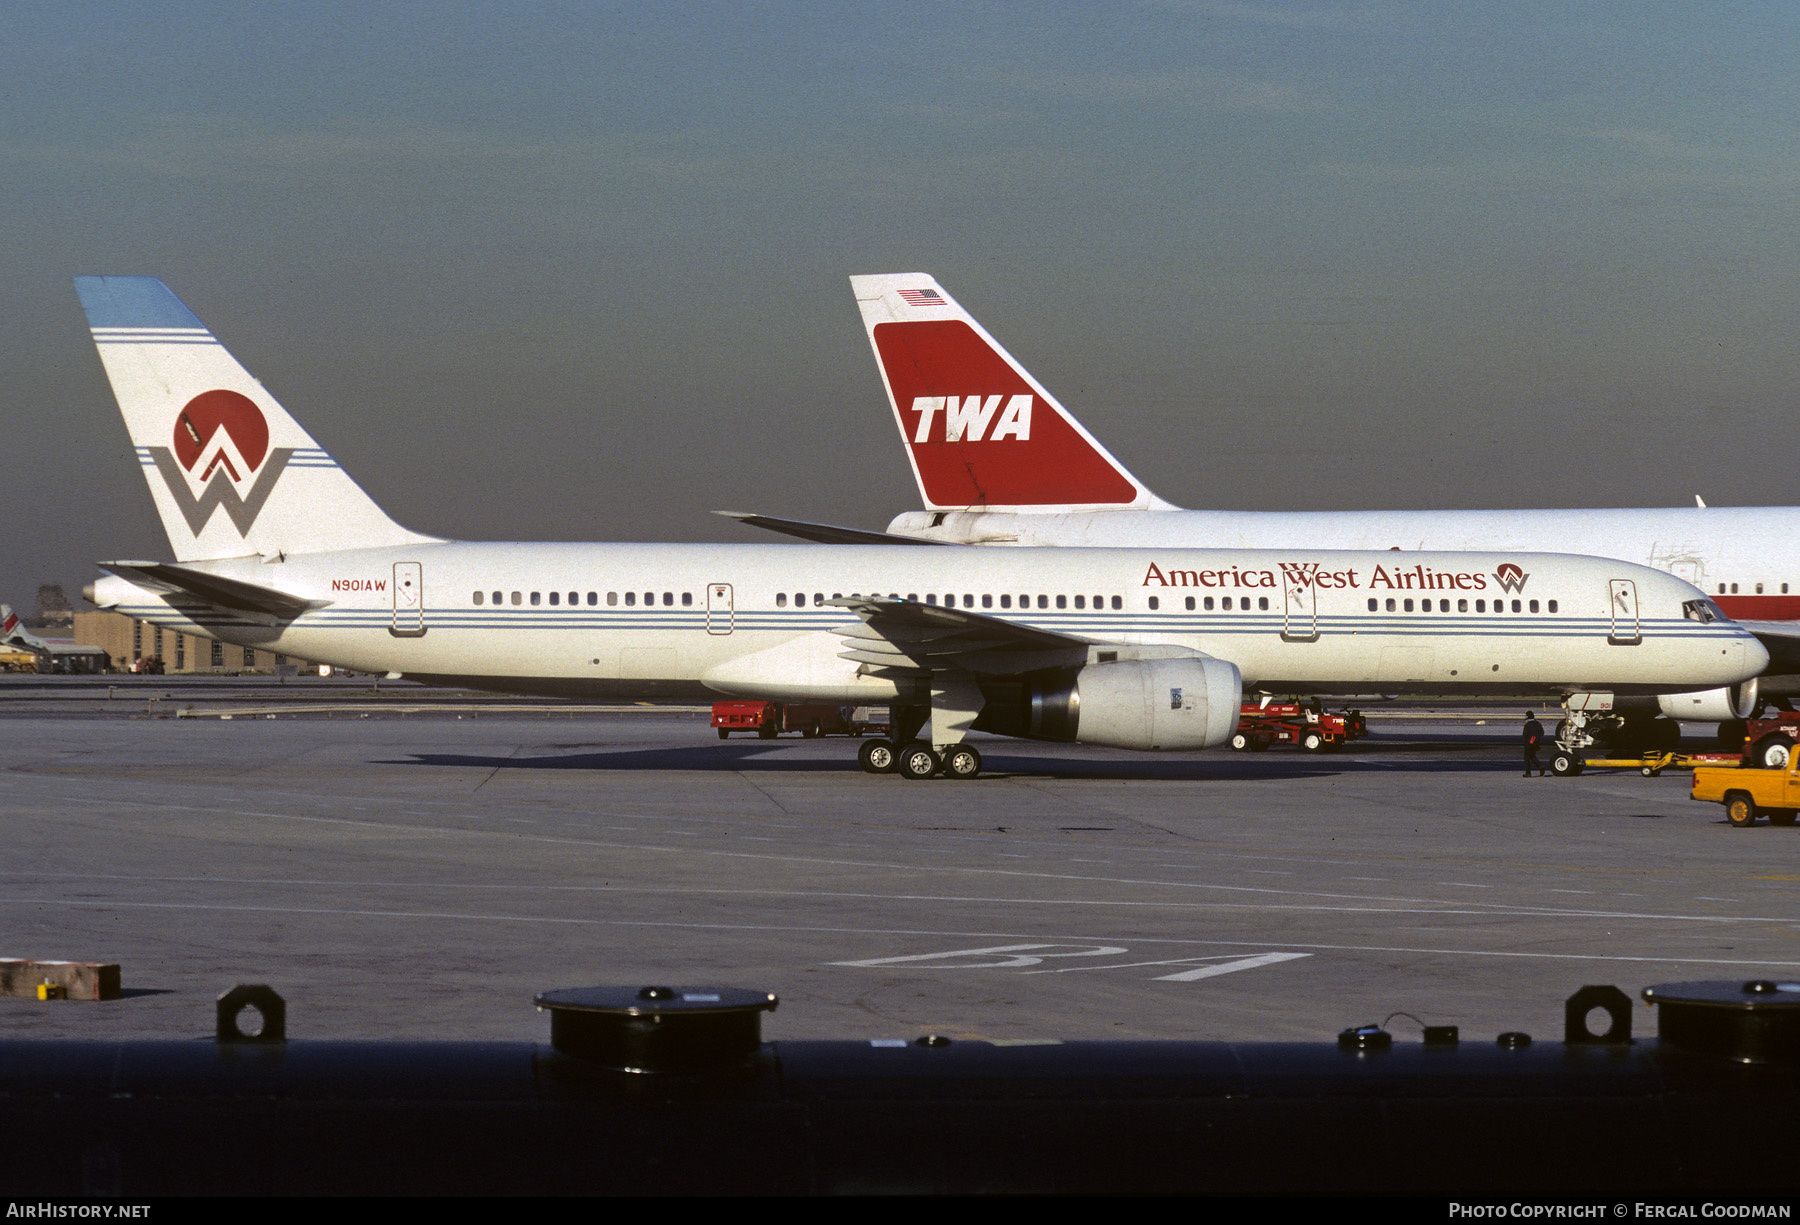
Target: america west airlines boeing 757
<point x="999" y="461"/>
<point x="276" y="547"/>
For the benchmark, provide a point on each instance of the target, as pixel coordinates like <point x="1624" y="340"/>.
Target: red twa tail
<point x="979" y="430"/>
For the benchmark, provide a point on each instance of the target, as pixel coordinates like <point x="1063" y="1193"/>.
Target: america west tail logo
<point x="221" y="458"/>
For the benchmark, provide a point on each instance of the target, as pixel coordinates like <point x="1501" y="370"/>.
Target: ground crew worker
<point x="1534" y="736"/>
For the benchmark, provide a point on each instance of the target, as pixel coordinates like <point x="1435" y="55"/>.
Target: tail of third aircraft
<point x="231" y="472"/>
<point x="979" y="430"/>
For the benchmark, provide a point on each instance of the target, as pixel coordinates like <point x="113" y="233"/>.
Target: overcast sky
<point x="578" y="272"/>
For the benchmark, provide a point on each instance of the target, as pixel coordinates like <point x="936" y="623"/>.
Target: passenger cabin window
<point x="1552" y="606"/>
<point x="1225" y="603"/>
<point x="1062" y="601"/>
<point x="1515" y="606"/>
<point x="478" y="597"/>
<point x="1119" y="602"/>
<point x="968" y="600"/>
<point x="1190" y="603"/>
<point x="1262" y="602"/>
<point x="781" y="599"/>
<point x="555" y="597"/>
<point x="535" y="599"/>
<point x="593" y="598"/>
<point x="799" y="599"/>
<point x="631" y="599"/>
<point x="931" y="597"/>
<point x="499" y="597"/>
<point x="1209" y="603"/>
<point x="1462" y="606"/>
<point x="612" y="599"/>
<point x="1152" y="603"/>
<point x="518" y="598"/>
<point x="1480" y="605"/>
<point x="1533" y="606"/>
<point x="1006" y="601"/>
<point x="1407" y="605"/>
<point x="987" y="601"/>
<point x="1373" y="604"/>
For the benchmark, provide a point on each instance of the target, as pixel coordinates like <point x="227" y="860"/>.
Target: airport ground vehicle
<point x="770" y="719"/>
<point x="1770" y="742"/>
<point x="1751" y="793"/>
<point x="1300" y="721"/>
<point x="276" y="546"/>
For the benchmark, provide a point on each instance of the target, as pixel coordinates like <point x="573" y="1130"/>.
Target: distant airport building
<point x="123" y="641"/>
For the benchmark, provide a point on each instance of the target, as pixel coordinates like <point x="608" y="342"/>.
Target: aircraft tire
<point x="918" y="760"/>
<point x="962" y="762"/>
<point x="877" y="756"/>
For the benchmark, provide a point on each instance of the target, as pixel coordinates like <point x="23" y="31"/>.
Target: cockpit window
<point x="1703" y="611"/>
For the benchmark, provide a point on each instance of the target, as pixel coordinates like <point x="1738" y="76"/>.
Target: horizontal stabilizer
<point x="823" y="533"/>
<point x="227" y="593"/>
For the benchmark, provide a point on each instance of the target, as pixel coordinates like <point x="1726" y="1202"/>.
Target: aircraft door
<point x="409" y="600"/>
<point x="719" y="610"/>
<point x="1302" y="620"/>
<point x="1625" y="629"/>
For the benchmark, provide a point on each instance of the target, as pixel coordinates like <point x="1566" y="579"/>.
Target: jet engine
<point x="1188" y="703"/>
<point x="1740" y="701"/>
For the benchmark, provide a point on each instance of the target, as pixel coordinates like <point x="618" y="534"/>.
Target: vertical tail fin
<point x="979" y="430"/>
<point x="230" y="471"/>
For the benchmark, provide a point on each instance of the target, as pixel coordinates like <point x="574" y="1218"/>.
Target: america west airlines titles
<point x="1312" y="574"/>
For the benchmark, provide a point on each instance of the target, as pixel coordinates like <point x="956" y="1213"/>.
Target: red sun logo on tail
<point x="211" y="411"/>
<point x="225" y="429"/>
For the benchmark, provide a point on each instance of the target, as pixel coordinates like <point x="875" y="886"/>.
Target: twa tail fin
<point x="979" y="430"/>
<point x="231" y="472"/>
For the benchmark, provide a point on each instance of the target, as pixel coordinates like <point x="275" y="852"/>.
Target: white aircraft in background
<point x="999" y="461"/>
<point x="276" y="547"/>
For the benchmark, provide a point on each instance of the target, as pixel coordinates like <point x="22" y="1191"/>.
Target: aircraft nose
<point x="1756" y="656"/>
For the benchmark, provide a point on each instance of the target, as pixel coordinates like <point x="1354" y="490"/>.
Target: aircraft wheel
<point x="1740" y="810"/>
<point x="962" y="762"/>
<point x="1565" y="765"/>
<point x="877" y="757"/>
<point x="1773" y="753"/>
<point x="918" y="761"/>
<point x="1781" y="816"/>
<point x="1312" y="742"/>
<point x="1239" y="742"/>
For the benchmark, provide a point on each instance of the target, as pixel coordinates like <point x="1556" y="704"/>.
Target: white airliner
<point x="276" y="547"/>
<point x="999" y="460"/>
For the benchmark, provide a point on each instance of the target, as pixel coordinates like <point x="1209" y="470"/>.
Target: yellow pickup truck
<point x="1751" y="793"/>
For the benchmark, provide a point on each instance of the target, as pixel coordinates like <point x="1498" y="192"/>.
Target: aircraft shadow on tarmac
<point x="768" y="758"/>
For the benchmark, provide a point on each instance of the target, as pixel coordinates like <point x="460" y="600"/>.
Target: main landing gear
<point x="910" y="757"/>
<point x="916" y="759"/>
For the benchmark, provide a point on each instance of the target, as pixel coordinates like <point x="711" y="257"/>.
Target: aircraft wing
<point x="904" y="637"/>
<point x="1782" y="640"/>
<point x="824" y="533"/>
<point x="230" y="594"/>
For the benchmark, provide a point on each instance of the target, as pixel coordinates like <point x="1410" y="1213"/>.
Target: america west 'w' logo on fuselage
<point x="1511" y="577"/>
<point x="229" y="433"/>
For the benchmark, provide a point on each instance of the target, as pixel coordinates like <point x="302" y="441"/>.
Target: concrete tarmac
<point x="422" y="874"/>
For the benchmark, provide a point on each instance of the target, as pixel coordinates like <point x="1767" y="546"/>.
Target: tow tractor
<point x="1302" y="721"/>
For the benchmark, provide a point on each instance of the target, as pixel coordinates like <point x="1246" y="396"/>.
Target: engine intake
<point x="1740" y="701"/>
<point x="1129" y="704"/>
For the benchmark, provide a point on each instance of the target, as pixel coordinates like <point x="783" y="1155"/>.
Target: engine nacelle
<point x="1128" y="704"/>
<point x="1741" y="701"/>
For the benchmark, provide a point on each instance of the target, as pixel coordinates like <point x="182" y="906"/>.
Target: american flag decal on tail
<point x="922" y="297"/>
